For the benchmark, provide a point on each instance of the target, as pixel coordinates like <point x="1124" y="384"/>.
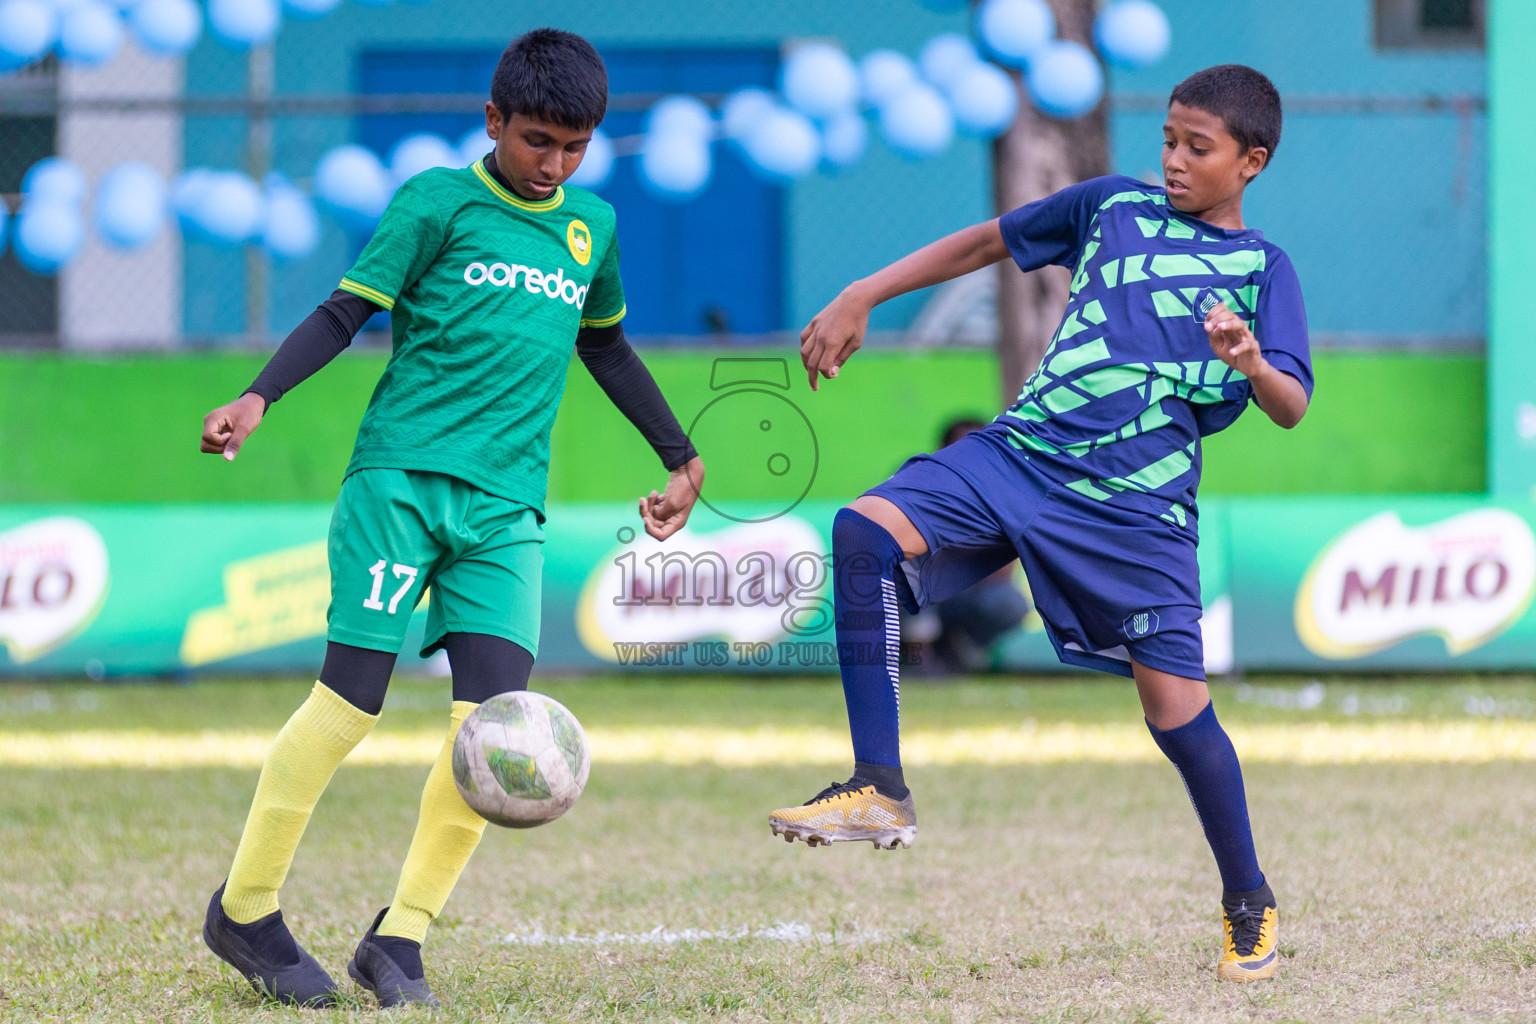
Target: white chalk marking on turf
<point x="1421" y="742"/>
<point x="661" y="935"/>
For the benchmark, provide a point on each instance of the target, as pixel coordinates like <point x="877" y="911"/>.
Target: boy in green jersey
<point x="489" y="272"/>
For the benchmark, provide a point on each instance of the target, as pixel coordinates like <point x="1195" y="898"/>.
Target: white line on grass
<point x="661" y="935"/>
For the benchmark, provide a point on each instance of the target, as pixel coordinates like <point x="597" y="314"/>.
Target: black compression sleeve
<point x="630" y="386"/>
<point x="315" y="342"/>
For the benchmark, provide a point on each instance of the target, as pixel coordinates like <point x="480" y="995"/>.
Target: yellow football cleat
<point x="1252" y="924"/>
<point x="849" y="812"/>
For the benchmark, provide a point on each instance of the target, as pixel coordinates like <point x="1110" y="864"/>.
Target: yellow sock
<point x="446" y="835"/>
<point x="298" y="767"/>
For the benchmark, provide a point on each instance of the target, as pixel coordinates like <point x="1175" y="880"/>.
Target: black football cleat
<point x="269" y="957"/>
<point x="390" y="968"/>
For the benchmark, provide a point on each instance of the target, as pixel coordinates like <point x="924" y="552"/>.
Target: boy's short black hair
<point x="553" y="76"/>
<point x="1246" y="101"/>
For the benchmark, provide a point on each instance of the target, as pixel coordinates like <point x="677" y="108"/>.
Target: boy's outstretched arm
<point x="1280" y="395"/>
<point x="617" y="368"/>
<point x="319" y="339"/>
<point x="837" y="332"/>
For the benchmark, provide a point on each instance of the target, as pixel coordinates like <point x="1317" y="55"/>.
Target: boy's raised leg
<point x="870" y="540"/>
<point x="1183" y="722"/>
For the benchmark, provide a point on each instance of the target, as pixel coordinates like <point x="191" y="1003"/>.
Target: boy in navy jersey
<point x="1179" y="314"/>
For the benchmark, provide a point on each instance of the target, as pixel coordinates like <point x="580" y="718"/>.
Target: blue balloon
<point x="130" y="205"/>
<point x="166" y="27"/>
<point x="292" y="229"/>
<point x="1132" y="33"/>
<point x="48" y="235"/>
<point x="352" y="182"/>
<point x="187" y="192"/>
<point x="91" y="34"/>
<point x="309" y="10"/>
<point x="1065" y="80"/>
<point x="985" y="100"/>
<point x="917" y="122"/>
<point x="5" y="216"/>
<point x="231" y="209"/>
<point x="882" y="74"/>
<point x="596" y="165"/>
<point x="473" y="145"/>
<point x="54" y="179"/>
<point x="1015" y="30"/>
<point x="744" y="110"/>
<point x="680" y="115"/>
<point x="786" y="146"/>
<point x="845" y="139"/>
<point x="675" y="166"/>
<point x="27" y="29"/>
<point x="943" y="57"/>
<point x="820" y="80"/>
<point x="242" y="24"/>
<point x="420" y="152"/>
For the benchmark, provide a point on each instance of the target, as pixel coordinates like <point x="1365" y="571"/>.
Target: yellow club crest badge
<point x="579" y="239"/>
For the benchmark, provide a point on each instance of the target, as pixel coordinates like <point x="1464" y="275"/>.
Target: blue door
<point x="697" y="270"/>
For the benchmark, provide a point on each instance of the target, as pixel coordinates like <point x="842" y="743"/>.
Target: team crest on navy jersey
<point x="1205" y="301"/>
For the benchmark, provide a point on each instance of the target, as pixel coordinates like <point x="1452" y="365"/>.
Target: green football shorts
<point x="397" y="532"/>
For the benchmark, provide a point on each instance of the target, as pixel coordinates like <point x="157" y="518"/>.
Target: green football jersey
<point x="486" y="291"/>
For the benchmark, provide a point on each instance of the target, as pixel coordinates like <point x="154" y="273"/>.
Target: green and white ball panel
<point x="521" y="760"/>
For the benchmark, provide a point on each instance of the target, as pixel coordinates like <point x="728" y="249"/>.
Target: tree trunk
<point x="1040" y="155"/>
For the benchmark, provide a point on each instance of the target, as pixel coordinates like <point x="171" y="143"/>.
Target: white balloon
<point x="187" y="190"/>
<point x="675" y="166"/>
<point x="1065" y="80"/>
<point x="166" y="27"/>
<point x="27" y="29"/>
<point x="820" y="80"/>
<point x="680" y="115"/>
<point x="48" y="235"/>
<point x="242" y="24"/>
<point x="292" y="228"/>
<point x="231" y="209"/>
<point x="845" y="139"/>
<point x="944" y="56"/>
<point x="744" y="110"/>
<point x="353" y="182"/>
<point x="1015" y="30"/>
<point x="130" y="205"/>
<point x="882" y="74"/>
<point x="420" y="152"/>
<point x="473" y="145"/>
<point x="917" y="122"/>
<point x="596" y="165"/>
<point x="54" y="178"/>
<point x="91" y="34"/>
<point x="1132" y="33"/>
<point x="308" y="10"/>
<point x="785" y="146"/>
<point x="985" y="100"/>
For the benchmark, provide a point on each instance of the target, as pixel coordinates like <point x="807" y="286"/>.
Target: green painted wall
<point x="125" y="430"/>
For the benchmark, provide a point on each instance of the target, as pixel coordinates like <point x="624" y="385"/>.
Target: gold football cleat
<point x="1250" y="951"/>
<point x="848" y="812"/>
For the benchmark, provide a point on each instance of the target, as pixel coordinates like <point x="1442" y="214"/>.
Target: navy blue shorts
<point x="1112" y="579"/>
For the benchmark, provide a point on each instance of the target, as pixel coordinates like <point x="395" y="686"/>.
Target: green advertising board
<point x="1313" y="584"/>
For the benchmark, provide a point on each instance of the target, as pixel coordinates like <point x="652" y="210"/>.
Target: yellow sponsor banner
<point x="1025" y="744"/>
<point x="269" y="600"/>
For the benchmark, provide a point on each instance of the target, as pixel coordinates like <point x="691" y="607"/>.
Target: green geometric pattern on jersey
<point x="1070" y="377"/>
<point x="486" y="291"/>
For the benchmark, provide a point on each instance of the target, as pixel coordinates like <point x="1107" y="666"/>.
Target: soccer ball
<point x="520" y="759"/>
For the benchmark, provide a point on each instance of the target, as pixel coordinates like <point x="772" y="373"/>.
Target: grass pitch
<point x="1069" y="887"/>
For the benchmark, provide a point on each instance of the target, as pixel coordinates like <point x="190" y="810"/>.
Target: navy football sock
<point x="1203" y="754"/>
<point x="865" y="560"/>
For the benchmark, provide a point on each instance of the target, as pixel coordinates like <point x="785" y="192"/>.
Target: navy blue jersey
<point x="1129" y="384"/>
